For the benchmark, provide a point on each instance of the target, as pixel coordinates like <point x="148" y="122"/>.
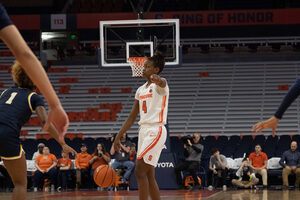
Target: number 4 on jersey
<point x="144" y="108"/>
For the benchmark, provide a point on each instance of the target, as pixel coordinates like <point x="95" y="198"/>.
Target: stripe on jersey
<point x="29" y="102"/>
<point x="3" y="92"/>
<point x="161" y="114"/>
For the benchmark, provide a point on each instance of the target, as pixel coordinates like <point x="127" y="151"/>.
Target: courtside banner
<point x="290" y="16"/>
<point x="164" y="173"/>
<point x="233" y="17"/>
<point x="26" y="22"/>
<point x="91" y="21"/>
<point x="204" y="18"/>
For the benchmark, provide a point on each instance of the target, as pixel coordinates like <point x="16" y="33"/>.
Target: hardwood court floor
<point x="165" y="195"/>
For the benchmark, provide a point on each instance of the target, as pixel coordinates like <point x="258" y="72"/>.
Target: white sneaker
<point x="210" y="188"/>
<point x="47" y="189"/>
<point x="58" y="189"/>
<point x="35" y="189"/>
<point x="224" y="187"/>
<point x="99" y="189"/>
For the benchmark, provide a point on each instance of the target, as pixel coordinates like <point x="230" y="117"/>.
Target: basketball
<point x="104" y="176"/>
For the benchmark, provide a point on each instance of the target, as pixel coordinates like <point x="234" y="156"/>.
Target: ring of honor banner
<point x="289" y="16"/>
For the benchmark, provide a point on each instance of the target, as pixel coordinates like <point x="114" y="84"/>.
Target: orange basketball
<point x="104" y="176"/>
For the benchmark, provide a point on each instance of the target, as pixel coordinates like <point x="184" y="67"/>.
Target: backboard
<point x="121" y="39"/>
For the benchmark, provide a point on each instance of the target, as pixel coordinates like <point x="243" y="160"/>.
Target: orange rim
<point x="137" y="61"/>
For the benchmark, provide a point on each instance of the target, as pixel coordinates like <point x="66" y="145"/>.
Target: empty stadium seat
<point x="283" y="145"/>
<point x="208" y="143"/>
<point x="270" y="146"/>
<point x="29" y="146"/>
<point x="243" y="147"/>
<point x="221" y="142"/>
<point x="232" y="144"/>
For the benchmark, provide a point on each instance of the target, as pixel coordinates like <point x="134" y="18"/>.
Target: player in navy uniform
<point x="286" y="102"/>
<point x="16" y="106"/>
<point x="15" y="42"/>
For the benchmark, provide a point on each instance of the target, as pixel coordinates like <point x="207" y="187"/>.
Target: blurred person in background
<point x="39" y="151"/>
<point x="193" y="152"/>
<point x="45" y="165"/>
<point x="82" y="166"/>
<point x="64" y="165"/>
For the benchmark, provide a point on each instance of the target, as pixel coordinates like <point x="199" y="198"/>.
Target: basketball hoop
<point x="137" y="65"/>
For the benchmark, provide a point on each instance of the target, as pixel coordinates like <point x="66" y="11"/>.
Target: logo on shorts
<point x="150" y="158"/>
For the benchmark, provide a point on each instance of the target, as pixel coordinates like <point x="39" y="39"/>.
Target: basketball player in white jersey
<point x="151" y="101"/>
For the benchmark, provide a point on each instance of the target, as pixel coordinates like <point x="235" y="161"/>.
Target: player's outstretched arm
<point x="15" y="42"/>
<point x="126" y="125"/>
<point x="270" y="123"/>
<point x="42" y="113"/>
<point x="161" y="82"/>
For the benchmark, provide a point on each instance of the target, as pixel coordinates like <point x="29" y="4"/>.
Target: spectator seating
<point x="271" y="146"/>
<point x="228" y="101"/>
<point x="231" y="149"/>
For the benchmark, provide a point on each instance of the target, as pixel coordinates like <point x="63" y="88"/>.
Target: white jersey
<point x="153" y="102"/>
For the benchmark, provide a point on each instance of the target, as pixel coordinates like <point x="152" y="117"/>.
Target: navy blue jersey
<point x="4" y="19"/>
<point x="288" y="99"/>
<point x="17" y="105"/>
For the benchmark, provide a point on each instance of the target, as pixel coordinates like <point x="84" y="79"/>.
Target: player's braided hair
<point x="20" y="77"/>
<point x="158" y="61"/>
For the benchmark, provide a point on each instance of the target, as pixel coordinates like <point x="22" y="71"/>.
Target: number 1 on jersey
<point x="144" y="108"/>
<point x="11" y="98"/>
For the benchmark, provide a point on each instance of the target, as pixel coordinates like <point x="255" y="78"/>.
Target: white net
<point x="137" y="65"/>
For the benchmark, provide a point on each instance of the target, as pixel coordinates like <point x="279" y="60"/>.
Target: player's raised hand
<point x="67" y="149"/>
<point x="161" y="82"/>
<point x="155" y="78"/>
<point x="58" y="117"/>
<point x="270" y="123"/>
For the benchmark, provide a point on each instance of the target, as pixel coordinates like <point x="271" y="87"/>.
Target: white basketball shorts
<point x="152" y="139"/>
